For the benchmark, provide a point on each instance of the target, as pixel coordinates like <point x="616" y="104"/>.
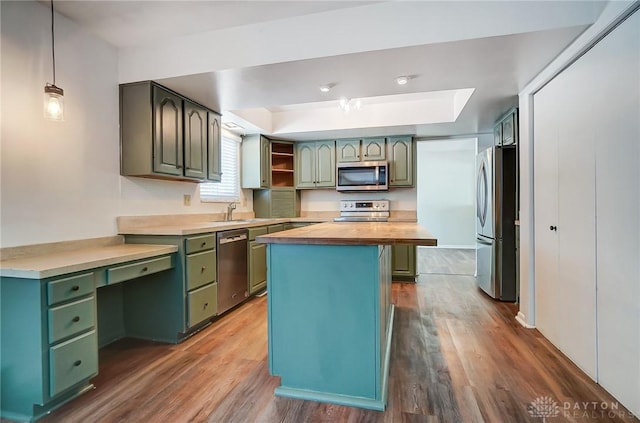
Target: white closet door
<point x="546" y="214"/>
<point x="576" y="285"/>
<point x="618" y="211"/>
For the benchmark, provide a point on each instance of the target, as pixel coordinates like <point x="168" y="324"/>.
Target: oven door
<point x="363" y="176"/>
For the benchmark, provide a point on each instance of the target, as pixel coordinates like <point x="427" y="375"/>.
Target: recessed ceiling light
<point x="402" y="80"/>
<point x="325" y="88"/>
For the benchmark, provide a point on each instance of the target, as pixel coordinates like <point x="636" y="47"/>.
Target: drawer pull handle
<point x="203" y="268"/>
<point x="75" y="288"/>
<point x="205" y="305"/>
<point x="76" y="319"/>
<point x="144" y="269"/>
<point x="77" y="363"/>
<point x="204" y="244"/>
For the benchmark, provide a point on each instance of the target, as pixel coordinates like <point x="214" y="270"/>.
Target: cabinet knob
<point x="77" y="363"/>
<point x="205" y="305"/>
<point x="203" y="269"/>
<point x="76" y="319"/>
<point x="365" y="155"/>
<point x="553" y="228"/>
<point x="75" y="288"/>
<point x="144" y="269"/>
<point x="204" y="244"/>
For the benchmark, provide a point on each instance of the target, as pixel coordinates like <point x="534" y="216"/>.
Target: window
<point x="228" y="189"/>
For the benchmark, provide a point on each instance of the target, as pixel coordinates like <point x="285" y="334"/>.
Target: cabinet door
<point x="265" y="162"/>
<point x="305" y="165"/>
<point x="167" y="132"/>
<point x="508" y="130"/>
<point x="497" y="134"/>
<point x="348" y="150"/>
<point x="373" y="149"/>
<point x="257" y="266"/>
<point x="214" y="172"/>
<point x="325" y="164"/>
<point x="403" y="259"/>
<point x="400" y="156"/>
<point x="195" y="141"/>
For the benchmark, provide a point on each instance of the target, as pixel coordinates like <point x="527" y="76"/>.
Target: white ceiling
<point x="469" y="50"/>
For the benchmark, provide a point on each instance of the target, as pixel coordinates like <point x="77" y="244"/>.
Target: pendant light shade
<point x="53" y="95"/>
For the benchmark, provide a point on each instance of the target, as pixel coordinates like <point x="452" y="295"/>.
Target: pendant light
<point x="53" y="95"/>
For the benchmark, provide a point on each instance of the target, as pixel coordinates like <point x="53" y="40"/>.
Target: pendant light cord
<point x="53" y="46"/>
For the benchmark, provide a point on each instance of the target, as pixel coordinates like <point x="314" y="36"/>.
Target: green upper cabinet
<point x="348" y="150"/>
<point x="400" y="156"/>
<point x="315" y="164"/>
<point x="167" y="139"/>
<point x="373" y="149"/>
<point x="195" y="140"/>
<point x="505" y="131"/>
<point x="165" y="135"/>
<point x="497" y="134"/>
<point x="360" y="149"/>
<point x="213" y="148"/>
<point x="256" y="162"/>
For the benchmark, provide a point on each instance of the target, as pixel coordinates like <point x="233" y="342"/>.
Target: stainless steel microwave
<point x="362" y="176"/>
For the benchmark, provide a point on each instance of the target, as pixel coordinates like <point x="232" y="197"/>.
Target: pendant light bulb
<point x="53" y="103"/>
<point x="53" y="96"/>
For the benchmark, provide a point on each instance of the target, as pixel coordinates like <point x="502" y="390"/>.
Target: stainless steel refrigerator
<point x="495" y="222"/>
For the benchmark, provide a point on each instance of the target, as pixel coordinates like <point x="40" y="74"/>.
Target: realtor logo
<point x="543" y="407"/>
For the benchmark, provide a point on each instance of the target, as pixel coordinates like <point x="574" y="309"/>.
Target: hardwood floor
<point x="457" y="356"/>
<point x="446" y="261"/>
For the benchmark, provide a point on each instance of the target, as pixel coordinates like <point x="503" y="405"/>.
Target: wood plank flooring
<point x="457" y="356"/>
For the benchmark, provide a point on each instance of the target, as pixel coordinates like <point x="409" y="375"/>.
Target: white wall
<point x="329" y="199"/>
<point x="446" y="190"/>
<point x="60" y="181"/>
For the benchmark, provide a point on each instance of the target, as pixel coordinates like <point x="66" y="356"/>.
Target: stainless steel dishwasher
<point x="232" y="268"/>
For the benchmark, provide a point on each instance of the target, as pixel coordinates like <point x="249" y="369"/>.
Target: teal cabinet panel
<point x="327" y="347"/>
<point x="68" y="288"/>
<point x="195" y="140"/>
<point x="70" y="319"/>
<point x="348" y="150"/>
<point x="373" y="149"/>
<point x="401" y="161"/>
<point x="203" y="303"/>
<point x="214" y="169"/>
<point x="126" y="272"/>
<point x="72" y="362"/>
<point x="201" y="269"/>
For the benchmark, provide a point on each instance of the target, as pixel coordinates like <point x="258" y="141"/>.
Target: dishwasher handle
<point x="235" y="238"/>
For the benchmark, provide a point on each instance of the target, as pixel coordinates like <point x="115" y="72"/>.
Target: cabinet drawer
<point x="70" y="319"/>
<point x="276" y="228"/>
<point x="254" y="232"/>
<point x="72" y="361"/>
<point x="135" y="270"/>
<point x="69" y="288"/>
<point x="203" y="303"/>
<point x="200" y="243"/>
<point x="201" y="269"/>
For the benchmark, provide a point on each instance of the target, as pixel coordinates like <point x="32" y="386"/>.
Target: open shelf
<point x="282" y="164"/>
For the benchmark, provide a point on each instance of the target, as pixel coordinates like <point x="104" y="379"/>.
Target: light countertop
<point x="60" y="263"/>
<point x="354" y="233"/>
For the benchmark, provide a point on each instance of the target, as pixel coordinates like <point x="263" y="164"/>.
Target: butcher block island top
<point x="354" y="233"/>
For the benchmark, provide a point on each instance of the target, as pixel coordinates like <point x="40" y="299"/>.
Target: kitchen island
<point x="329" y="309"/>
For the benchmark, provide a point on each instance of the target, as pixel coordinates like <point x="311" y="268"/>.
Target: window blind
<point x="228" y="189"/>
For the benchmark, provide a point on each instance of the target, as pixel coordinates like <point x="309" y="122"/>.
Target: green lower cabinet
<point x="257" y="267"/>
<point x="403" y="262"/>
<point x="72" y="362"/>
<point x="202" y="303"/>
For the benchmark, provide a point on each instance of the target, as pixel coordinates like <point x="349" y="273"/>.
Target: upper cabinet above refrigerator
<point x="505" y="132"/>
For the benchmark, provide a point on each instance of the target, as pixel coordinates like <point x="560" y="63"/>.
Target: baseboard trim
<point x="522" y="319"/>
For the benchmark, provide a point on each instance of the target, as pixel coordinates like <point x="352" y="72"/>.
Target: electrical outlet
<point x="187" y="200"/>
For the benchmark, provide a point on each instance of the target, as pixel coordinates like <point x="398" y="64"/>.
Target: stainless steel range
<point x="363" y="211"/>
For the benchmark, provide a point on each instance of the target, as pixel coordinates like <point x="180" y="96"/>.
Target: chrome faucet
<point x="230" y="208"/>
